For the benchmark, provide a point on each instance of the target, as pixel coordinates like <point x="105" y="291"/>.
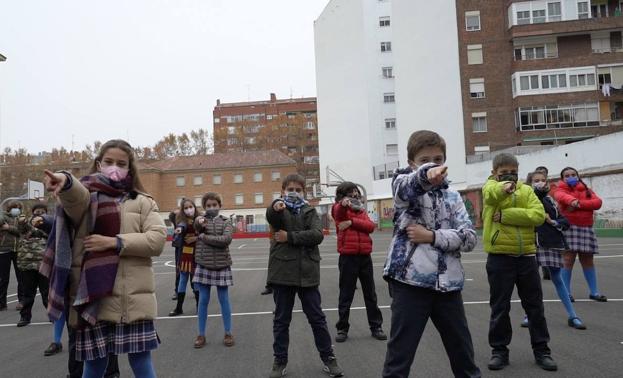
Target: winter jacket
<point x="32" y="244"/>
<point x="548" y="235"/>
<point x="435" y="266"/>
<point x="214" y="238"/>
<point x="297" y="262"/>
<point x="583" y="216"/>
<point x="521" y="212"/>
<point x="142" y="237"/>
<point x="8" y="237"/>
<point x="355" y="240"/>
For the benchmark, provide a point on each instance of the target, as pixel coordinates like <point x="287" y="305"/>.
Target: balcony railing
<point x="384" y="171"/>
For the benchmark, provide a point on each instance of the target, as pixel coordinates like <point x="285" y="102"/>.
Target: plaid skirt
<point x="209" y="277"/>
<point x="581" y="239"/>
<point x="106" y="338"/>
<point x="549" y="257"/>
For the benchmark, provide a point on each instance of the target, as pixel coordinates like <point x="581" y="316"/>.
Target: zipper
<point x="521" y="252"/>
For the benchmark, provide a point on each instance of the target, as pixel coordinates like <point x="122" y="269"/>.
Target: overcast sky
<point x="143" y="68"/>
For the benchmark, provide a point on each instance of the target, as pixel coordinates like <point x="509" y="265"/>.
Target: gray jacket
<point x="214" y="237"/>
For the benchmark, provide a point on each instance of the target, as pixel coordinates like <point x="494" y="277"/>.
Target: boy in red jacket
<point x="353" y="227"/>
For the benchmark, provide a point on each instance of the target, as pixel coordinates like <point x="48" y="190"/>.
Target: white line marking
<point x="242" y="246"/>
<point x="324" y="309"/>
<point x="168" y="263"/>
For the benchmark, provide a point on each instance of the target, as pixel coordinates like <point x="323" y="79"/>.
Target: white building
<point x="381" y="76"/>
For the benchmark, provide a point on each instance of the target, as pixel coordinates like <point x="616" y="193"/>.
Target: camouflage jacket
<point x="30" y="247"/>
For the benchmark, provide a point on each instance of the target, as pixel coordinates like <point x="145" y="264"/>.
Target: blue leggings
<point x="59" y="325"/>
<point x="204" y="300"/>
<point x="181" y="288"/>
<point x="563" y="292"/>
<point x="141" y="365"/>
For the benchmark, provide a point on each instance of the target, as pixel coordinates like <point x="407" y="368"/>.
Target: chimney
<point x="218" y="101"/>
<point x="273" y="98"/>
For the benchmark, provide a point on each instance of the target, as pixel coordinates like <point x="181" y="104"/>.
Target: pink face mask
<point x="114" y="173"/>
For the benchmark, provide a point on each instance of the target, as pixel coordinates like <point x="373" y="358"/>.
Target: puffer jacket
<point x="355" y="240"/>
<point x="583" y="216"/>
<point x="521" y="212"/>
<point x="142" y="236"/>
<point x="297" y="262"/>
<point x="32" y="244"/>
<point x="435" y="266"/>
<point x="10" y="236"/>
<point x="214" y="238"/>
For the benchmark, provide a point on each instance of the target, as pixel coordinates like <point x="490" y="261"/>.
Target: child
<point x="511" y="212"/>
<point x="9" y="235"/>
<point x="423" y="267"/>
<point x="294" y="268"/>
<point x="185" y="232"/>
<point x="578" y="203"/>
<point x="30" y="248"/>
<point x="106" y="231"/>
<point x="354" y="246"/>
<point x="551" y="243"/>
<point x="213" y="265"/>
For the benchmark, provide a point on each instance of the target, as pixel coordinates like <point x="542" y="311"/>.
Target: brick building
<point x="289" y="126"/>
<point x="537" y="73"/>
<point x="247" y="181"/>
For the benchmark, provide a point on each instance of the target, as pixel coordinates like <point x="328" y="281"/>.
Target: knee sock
<point x="223" y="298"/>
<point x="565" y="274"/>
<point x="202" y="311"/>
<point x="59" y="325"/>
<point x="591" y="279"/>
<point x="181" y="288"/>
<point x="561" y="289"/>
<point x="95" y="368"/>
<point x="141" y="365"/>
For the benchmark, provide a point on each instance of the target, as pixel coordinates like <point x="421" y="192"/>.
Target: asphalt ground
<point x="595" y="352"/>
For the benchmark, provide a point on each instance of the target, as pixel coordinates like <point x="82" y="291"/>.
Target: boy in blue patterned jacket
<point x="423" y="267"/>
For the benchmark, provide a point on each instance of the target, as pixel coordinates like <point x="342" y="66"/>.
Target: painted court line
<point x="469" y="303"/>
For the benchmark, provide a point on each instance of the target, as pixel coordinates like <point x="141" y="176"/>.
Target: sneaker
<point x="228" y="340"/>
<point x="341" y="336"/>
<point x="53" y="349"/>
<point x="279" y="370"/>
<point x="498" y="362"/>
<point x="576" y="323"/>
<point x="525" y="323"/>
<point x="23" y="322"/>
<point x="379" y="334"/>
<point x="571" y="298"/>
<point x="332" y="368"/>
<point x="200" y="342"/>
<point x="546" y="362"/>
<point x="598" y="298"/>
<point x="176" y="312"/>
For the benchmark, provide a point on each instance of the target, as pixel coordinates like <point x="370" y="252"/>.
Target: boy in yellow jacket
<point x="511" y="211"/>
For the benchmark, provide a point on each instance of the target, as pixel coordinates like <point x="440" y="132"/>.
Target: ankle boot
<point x="179" y="308"/>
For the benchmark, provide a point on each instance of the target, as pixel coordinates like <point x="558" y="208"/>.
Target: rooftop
<point x="220" y="161"/>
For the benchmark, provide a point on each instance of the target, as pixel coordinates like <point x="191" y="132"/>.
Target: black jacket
<point x="551" y="236"/>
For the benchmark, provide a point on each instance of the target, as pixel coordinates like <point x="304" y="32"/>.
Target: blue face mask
<point x="15" y="212"/>
<point x="572" y="181"/>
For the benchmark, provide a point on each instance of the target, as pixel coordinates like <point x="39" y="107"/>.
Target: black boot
<point x="546" y="274"/>
<point x="180" y="305"/>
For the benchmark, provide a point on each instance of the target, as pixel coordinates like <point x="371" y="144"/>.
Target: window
<point x="474" y="54"/>
<point x="529" y="82"/>
<point x="479" y="122"/>
<point x="388" y="72"/>
<point x="553" y="81"/>
<point x="600" y="43"/>
<point x="481" y="149"/>
<point x="309" y="125"/>
<point x="390" y="123"/>
<point x="386" y="46"/>
<point x="581" y="80"/>
<point x="180" y="181"/>
<point x="477" y="88"/>
<point x="238" y="178"/>
<point x="197" y="180"/>
<point x="472" y="21"/>
<point x="250" y="140"/>
<point x="269" y="116"/>
<point x="558" y="116"/>
<point x="217" y="179"/>
<point x="543" y="51"/>
<point x="239" y="199"/>
<point x="257" y="177"/>
<point x="554" y="11"/>
<point x="217" y="120"/>
<point x="232" y="141"/>
<point x="276" y="195"/>
<point x="275" y="175"/>
<point x="391" y="149"/>
<point x="384" y="21"/>
<point x="231" y="130"/>
<point x="389" y="98"/>
<point x="538" y="16"/>
<point x="259" y="198"/>
<point x="523" y="18"/>
<point x="198" y="201"/>
<point x="583" y="10"/>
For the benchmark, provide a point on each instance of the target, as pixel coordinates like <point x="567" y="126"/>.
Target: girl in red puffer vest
<point x="578" y="203"/>
<point x="353" y="227"/>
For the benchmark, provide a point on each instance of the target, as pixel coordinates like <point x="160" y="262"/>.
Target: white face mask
<point x="189" y="212"/>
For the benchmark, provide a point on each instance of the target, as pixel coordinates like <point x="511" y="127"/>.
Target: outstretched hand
<point x="436" y="175"/>
<point x="54" y="182"/>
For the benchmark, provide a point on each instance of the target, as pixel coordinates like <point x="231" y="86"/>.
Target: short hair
<point x="211" y="196"/>
<point x="13" y="204"/>
<point x="532" y="174"/>
<point x="504" y="159"/>
<point x="295" y="178"/>
<point x="422" y="139"/>
<point x="38" y="206"/>
<point x="542" y="169"/>
<point x="344" y="189"/>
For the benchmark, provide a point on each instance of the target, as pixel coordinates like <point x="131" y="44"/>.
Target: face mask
<point x="509" y="177"/>
<point x="356" y="204"/>
<point x="293" y="198"/>
<point x="114" y="173"/>
<point x="572" y="181"/>
<point x="15" y="212"/>
<point x="211" y="213"/>
<point x="540" y="186"/>
<point x="189" y="212"/>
